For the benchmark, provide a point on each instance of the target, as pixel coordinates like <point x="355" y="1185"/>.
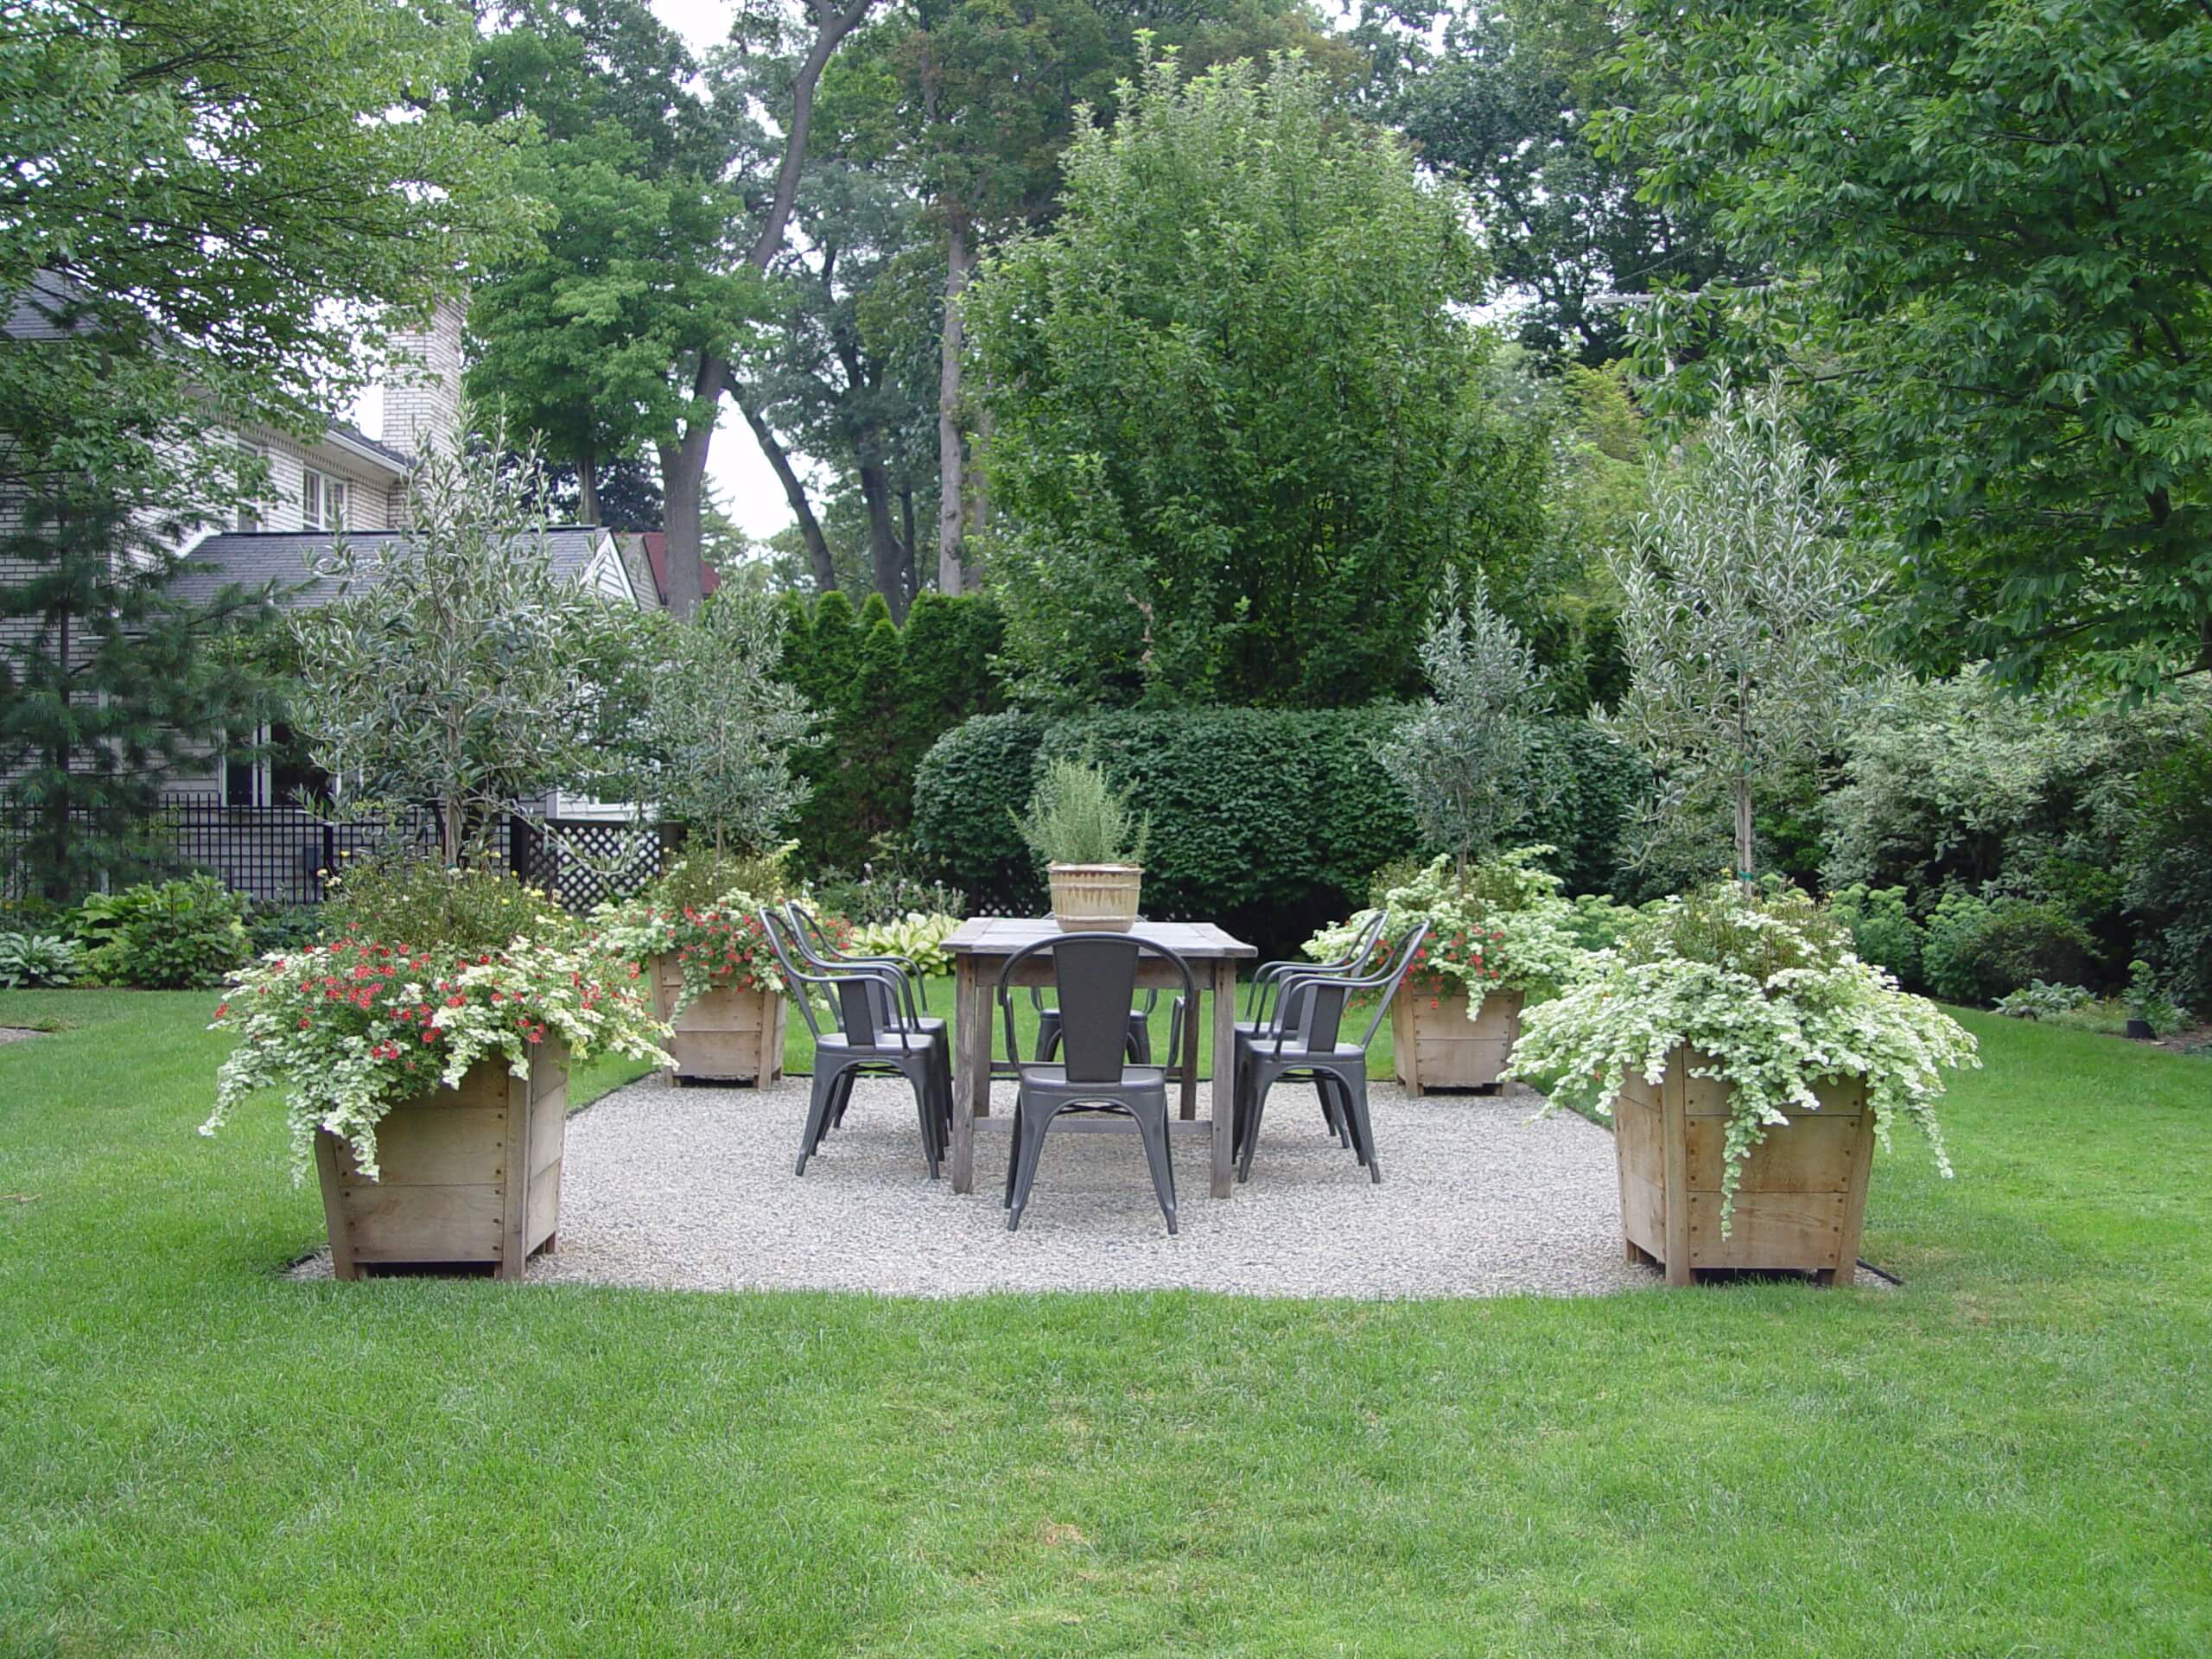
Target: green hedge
<point x="886" y="694"/>
<point x="1267" y="821"/>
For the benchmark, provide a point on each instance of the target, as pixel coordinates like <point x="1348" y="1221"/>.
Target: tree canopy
<point x="1240" y="428"/>
<point x="1986" y="228"/>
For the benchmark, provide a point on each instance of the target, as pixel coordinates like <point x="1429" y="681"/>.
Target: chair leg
<point x="844" y="1098"/>
<point x="1152" y="1130"/>
<point x="1254" y="1109"/>
<point x="817" y="1116"/>
<point x="1330" y="1113"/>
<point x="1048" y="1036"/>
<point x="925" y="1109"/>
<point x="1362" y="1127"/>
<point x="1012" y="1154"/>
<point x="1033" y="1143"/>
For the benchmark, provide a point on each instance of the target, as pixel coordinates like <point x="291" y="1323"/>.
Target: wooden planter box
<point x="1803" y="1194"/>
<point x="467" y="1174"/>
<point x="1434" y="1045"/>
<point x="729" y="1035"/>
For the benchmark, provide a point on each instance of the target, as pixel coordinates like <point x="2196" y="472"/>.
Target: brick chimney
<point x="422" y="396"/>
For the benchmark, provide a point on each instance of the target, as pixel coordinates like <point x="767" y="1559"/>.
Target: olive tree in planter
<point x="1081" y="828"/>
<point x="714" y="752"/>
<point x="1750" y="1062"/>
<point x="1499" y="933"/>
<point x="424" y="1054"/>
<point x="1741" y="613"/>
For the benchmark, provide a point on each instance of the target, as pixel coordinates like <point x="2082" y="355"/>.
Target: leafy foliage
<point x="1077" y="817"/>
<point x="471" y="908"/>
<point x="1461" y="759"/>
<point x="720" y="727"/>
<point x="172" y="935"/>
<point x="1232" y="465"/>
<point x="2147" y="1000"/>
<point x="33" y="959"/>
<point x="1976" y="950"/>
<point x="2169" y="866"/>
<point x="1882" y="929"/>
<point x="918" y="936"/>
<point x="456" y="666"/>
<point x="1738" y="610"/>
<point x="2041" y="1001"/>
<point x="1764" y="988"/>
<point x="353" y="1028"/>
<point x="1988" y="224"/>
<point x="1501" y="924"/>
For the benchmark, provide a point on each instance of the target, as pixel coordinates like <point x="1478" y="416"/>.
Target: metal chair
<point x="1139" y="1047"/>
<point x="823" y="957"/>
<point x="856" y="1042"/>
<point x="1269" y="978"/>
<point x="1301" y="1043"/>
<point x="1094" y="976"/>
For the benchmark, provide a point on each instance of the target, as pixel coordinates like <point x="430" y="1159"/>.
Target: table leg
<point x="971" y="1070"/>
<point x="1224" y="1067"/>
<point x="1187" y="1098"/>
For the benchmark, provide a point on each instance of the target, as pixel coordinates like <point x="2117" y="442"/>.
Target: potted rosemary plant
<point x="1750" y="1062"/>
<point x="1080" y="827"/>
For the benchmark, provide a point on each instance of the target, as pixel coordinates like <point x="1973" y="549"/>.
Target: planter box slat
<point x="727" y="1034"/>
<point x="1435" y="1045"/>
<point x="467" y="1174"/>
<point x="1799" y="1206"/>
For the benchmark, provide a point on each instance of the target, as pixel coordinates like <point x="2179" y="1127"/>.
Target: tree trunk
<point x="888" y="560"/>
<point x="588" y="486"/>
<point x="682" y="485"/>
<point x="906" y="535"/>
<point x="809" y="528"/>
<point x="1743" y="790"/>
<point x="951" y="464"/>
<point x="688" y="452"/>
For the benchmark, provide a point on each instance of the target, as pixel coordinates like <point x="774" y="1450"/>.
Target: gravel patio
<point x="692" y="1188"/>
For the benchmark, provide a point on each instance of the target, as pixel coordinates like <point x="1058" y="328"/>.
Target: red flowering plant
<point x="712" y="942"/>
<point x="354" y="1027"/>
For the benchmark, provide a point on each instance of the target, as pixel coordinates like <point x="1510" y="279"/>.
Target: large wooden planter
<point x="729" y="1035"/>
<point x="467" y="1174"/>
<point x="1434" y="1045"/>
<point x="1803" y="1194"/>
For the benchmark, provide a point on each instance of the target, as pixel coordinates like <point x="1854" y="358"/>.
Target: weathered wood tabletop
<point x="979" y="951"/>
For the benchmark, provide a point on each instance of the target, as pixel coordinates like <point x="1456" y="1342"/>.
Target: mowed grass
<point x="2012" y="1456"/>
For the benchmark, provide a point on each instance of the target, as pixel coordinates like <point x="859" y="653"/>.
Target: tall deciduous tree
<point x="1741" y="614"/>
<point x="1241" y="427"/>
<point x="1988" y="226"/>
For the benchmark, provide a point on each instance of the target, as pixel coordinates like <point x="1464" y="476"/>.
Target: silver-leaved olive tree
<point x="720" y="727"/>
<point x="1741" y="612"/>
<point x="456" y="666"/>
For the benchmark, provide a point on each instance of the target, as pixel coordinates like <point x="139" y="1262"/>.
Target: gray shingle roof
<point x="252" y="558"/>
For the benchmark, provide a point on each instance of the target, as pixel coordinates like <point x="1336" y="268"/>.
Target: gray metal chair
<point x="1301" y="1043"/>
<point x="1095" y="977"/>
<point x="1275" y="976"/>
<point x="822" y="955"/>
<point x="856" y="1042"/>
<point x="1139" y="1047"/>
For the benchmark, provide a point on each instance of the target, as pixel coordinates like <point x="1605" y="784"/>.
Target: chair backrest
<point x="1094" y="980"/>
<point x="857" y="997"/>
<point x="814" y="944"/>
<point x="1312" y="1011"/>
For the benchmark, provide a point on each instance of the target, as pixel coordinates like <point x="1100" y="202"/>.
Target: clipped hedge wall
<point x="1267" y="821"/>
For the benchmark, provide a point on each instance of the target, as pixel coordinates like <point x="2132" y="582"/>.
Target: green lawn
<point x="2014" y="1456"/>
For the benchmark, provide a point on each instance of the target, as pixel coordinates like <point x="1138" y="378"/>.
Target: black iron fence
<point x="286" y="855"/>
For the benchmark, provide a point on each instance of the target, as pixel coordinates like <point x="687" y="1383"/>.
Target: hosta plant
<point x="917" y="936"/>
<point x="29" y="959"/>
<point x="1765" y="988"/>
<point x="353" y="1028"/>
<point x="1502" y="925"/>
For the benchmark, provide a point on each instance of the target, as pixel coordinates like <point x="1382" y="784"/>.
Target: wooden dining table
<point x="980" y="950"/>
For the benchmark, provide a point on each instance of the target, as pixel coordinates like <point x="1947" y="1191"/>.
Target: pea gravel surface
<point x="692" y="1188"/>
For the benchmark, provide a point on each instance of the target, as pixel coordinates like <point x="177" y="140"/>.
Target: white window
<point x="322" y="501"/>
